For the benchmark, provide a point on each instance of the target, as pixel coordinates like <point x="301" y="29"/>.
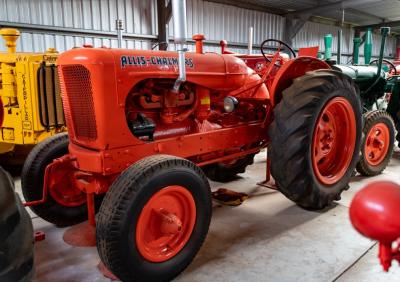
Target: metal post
<point x="356" y="49"/>
<point x="250" y="46"/>
<point x="339" y="47"/>
<point x="340" y="35"/>
<point x="162" y="19"/>
<point x="119" y="27"/>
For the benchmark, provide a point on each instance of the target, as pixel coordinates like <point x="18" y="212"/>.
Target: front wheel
<point x="154" y="219"/>
<point x="66" y="204"/>
<point x="315" y="138"/>
<point x="378" y="143"/>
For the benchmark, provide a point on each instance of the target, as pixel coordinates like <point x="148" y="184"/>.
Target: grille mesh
<point x="78" y="101"/>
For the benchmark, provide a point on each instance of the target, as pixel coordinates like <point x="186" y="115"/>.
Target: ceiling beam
<point x="364" y="14"/>
<point x="335" y="5"/>
<point x="251" y="6"/>
<point x="375" y="26"/>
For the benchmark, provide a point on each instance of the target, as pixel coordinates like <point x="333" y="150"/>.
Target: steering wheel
<point x="280" y="44"/>
<point x="392" y="66"/>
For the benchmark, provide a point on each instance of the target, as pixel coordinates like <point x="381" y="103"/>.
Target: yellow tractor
<point x="30" y="101"/>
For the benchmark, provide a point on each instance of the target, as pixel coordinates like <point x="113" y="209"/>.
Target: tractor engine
<point x="155" y="112"/>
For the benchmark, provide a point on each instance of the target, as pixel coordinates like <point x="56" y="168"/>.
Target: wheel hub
<point x="62" y="187"/>
<point x="165" y="223"/>
<point x="334" y="141"/>
<point x="170" y="223"/>
<point x="326" y="133"/>
<point x="377" y="144"/>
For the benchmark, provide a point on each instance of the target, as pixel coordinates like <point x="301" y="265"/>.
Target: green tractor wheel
<point x="378" y="142"/>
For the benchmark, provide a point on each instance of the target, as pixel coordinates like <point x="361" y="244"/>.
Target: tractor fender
<point x="289" y="71"/>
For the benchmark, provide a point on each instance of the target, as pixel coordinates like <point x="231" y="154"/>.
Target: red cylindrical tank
<point x="375" y="211"/>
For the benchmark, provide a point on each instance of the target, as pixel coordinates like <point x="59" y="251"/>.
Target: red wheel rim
<point x="377" y="144"/>
<point x="165" y="223"/>
<point x="334" y="141"/>
<point x="62" y="188"/>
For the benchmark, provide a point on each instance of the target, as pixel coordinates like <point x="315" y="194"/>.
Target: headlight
<point x="230" y="104"/>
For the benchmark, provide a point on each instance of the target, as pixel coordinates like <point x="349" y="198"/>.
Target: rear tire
<point x="293" y="136"/>
<point x="16" y="234"/>
<point x="32" y="178"/>
<point x="132" y="207"/>
<point x="222" y="172"/>
<point x="382" y="124"/>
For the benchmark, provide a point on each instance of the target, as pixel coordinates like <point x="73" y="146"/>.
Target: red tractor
<point x="146" y="128"/>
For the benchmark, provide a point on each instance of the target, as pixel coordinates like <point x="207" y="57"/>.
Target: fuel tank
<point x="362" y="75"/>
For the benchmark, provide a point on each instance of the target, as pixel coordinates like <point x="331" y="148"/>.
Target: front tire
<point x="315" y="138"/>
<point x="65" y="205"/>
<point x="378" y="143"/>
<point x="154" y="219"/>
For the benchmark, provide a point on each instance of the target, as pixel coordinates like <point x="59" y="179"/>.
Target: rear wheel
<point x="227" y="171"/>
<point x="16" y="235"/>
<point x="66" y="204"/>
<point x="154" y="219"/>
<point x="378" y="143"/>
<point x="315" y="138"/>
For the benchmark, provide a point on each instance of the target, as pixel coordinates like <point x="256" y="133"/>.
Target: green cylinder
<point x="356" y="50"/>
<point x="328" y="46"/>
<point x="368" y="46"/>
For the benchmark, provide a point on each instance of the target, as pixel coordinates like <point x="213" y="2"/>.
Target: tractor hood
<point x="360" y="73"/>
<point x="95" y="84"/>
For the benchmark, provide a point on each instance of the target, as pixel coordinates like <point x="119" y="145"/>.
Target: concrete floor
<point x="267" y="238"/>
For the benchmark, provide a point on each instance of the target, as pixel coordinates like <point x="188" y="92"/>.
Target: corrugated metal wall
<point x="139" y="17"/>
<point x="76" y="18"/>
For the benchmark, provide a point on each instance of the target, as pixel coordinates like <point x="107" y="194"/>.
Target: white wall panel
<point x="215" y="21"/>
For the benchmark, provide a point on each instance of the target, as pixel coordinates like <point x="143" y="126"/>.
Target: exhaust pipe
<point x="179" y="19"/>
<point x="384" y="32"/>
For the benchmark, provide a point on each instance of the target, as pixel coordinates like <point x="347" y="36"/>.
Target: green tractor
<point x="379" y="89"/>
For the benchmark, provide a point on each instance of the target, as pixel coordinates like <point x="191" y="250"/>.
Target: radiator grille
<point x="78" y="101"/>
<point x="50" y="106"/>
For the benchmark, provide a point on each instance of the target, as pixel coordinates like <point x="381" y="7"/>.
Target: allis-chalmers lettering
<point x="146" y="61"/>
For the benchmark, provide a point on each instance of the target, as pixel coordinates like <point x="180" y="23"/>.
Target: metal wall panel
<point x="220" y="21"/>
<point x="216" y="21"/>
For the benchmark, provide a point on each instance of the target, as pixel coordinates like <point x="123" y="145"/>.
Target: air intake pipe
<point x="179" y="21"/>
<point x="10" y="36"/>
